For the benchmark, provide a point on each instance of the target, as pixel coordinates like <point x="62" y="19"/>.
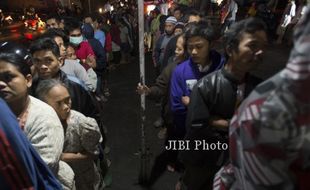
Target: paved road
<point x="122" y="120"/>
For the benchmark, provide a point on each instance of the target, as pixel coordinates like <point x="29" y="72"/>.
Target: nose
<point x="2" y="85"/>
<point x="194" y="51"/>
<point x="66" y="108"/>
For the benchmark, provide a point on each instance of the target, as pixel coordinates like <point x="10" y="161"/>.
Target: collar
<point x="230" y="77"/>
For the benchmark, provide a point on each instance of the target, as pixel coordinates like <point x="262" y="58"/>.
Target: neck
<point x="20" y="105"/>
<point x="234" y="72"/>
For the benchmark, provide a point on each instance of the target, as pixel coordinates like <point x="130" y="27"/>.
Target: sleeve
<point x="177" y="90"/>
<point x="90" y="135"/>
<point x="89" y="50"/>
<point x="47" y="137"/>
<point x="264" y="145"/>
<point x="102" y="39"/>
<point x="162" y="82"/>
<point x="80" y="72"/>
<point x="156" y="52"/>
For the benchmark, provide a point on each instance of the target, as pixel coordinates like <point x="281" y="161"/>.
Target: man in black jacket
<point x="213" y="102"/>
<point x="47" y="62"/>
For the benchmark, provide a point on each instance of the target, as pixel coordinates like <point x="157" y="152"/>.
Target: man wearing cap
<point x="158" y="54"/>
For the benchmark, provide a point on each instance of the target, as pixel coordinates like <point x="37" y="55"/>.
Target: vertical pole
<point x="89" y="8"/>
<point x="143" y="176"/>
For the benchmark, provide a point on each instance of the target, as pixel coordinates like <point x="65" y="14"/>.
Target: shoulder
<point x="41" y="114"/>
<point x="39" y="107"/>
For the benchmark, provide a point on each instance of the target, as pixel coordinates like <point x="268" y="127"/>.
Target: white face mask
<point x="76" y="40"/>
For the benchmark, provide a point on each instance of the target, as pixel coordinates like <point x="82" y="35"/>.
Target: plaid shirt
<point x="270" y="132"/>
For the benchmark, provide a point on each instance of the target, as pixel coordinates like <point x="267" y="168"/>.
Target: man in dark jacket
<point x="47" y="61"/>
<point x="213" y="102"/>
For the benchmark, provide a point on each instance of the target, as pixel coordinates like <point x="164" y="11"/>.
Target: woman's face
<point x="179" y="50"/>
<point x="58" y="98"/>
<point x="13" y="84"/>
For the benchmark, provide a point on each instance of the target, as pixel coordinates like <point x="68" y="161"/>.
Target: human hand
<point x="143" y="89"/>
<point x="185" y="100"/>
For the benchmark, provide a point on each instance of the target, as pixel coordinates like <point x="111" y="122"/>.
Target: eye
<point x="7" y="77"/>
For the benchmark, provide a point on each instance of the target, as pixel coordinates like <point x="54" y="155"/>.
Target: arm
<point x="47" y="137"/>
<point x="177" y="91"/>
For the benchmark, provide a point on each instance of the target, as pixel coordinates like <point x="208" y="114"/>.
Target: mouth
<point x="4" y="94"/>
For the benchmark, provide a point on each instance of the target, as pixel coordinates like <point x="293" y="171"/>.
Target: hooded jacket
<point x="98" y="49"/>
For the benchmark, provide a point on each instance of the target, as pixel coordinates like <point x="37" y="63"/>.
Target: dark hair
<point x="95" y="17"/>
<point x="17" y="61"/>
<point x="194" y="12"/>
<point x="45" y="86"/>
<point x="46" y="44"/>
<point x="201" y="29"/>
<point x="54" y="16"/>
<point x="179" y="9"/>
<point x="53" y="33"/>
<point x="233" y="35"/>
<point x="72" y="25"/>
<point x="17" y="55"/>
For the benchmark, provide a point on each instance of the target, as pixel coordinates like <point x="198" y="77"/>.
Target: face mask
<point x="76" y="40"/>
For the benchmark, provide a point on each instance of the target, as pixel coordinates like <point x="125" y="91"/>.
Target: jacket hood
<point x="88" y="31"/>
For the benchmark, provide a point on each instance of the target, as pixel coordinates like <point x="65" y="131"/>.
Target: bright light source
<point x="112" y="8"/>
<point x="100" y="10"/>
<point x="122" y="4"/>
<point x="149" y="8"/>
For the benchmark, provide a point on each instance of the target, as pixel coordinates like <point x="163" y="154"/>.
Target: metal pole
<point x="144" y="154"/>
<point x="89" y="8"/>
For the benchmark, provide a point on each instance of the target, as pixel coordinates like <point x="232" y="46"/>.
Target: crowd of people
<point x="201" y="89"/>
<point x="52" y="93"/>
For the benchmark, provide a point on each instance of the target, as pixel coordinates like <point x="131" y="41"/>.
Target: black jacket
<point x="81" y="99"/>
<point x="213" y="96"/>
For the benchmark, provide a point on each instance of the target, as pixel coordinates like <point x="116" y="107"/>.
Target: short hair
<point x="179" y="9"/>
<point x="16" y="55"/>
<point x="53" y="33"/>
<point x="72" y="25"/>
<point x="54" y="16"/>
<point x="46" y="44"/>
<point x="45" y="86"/>
<point x="200" y="29"/>
<point x="95" y="17"/>
<point x="194" y="12"/>
<point x="233" y="35"/>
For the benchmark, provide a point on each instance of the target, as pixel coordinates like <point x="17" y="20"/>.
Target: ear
<point x="229" y="51"/>
<point x="61" y="61"/>
<point x="29" y="80"/>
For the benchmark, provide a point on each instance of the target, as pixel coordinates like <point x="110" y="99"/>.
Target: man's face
<point x="61" y="46"/>
<point x="193" y="18"/>
<point x="13" y="84"/>
<point x="52" y="23"/>
<point x="177" y="14"/>
<point x="75" y="33"/>
<point x="198" y="49"/>
<point x="46" y="64"/>
<point x="58" y="98"/>
<point x="250" y="51"/>
<point x="88" y="20"/>
<point x="169" y="28"/>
